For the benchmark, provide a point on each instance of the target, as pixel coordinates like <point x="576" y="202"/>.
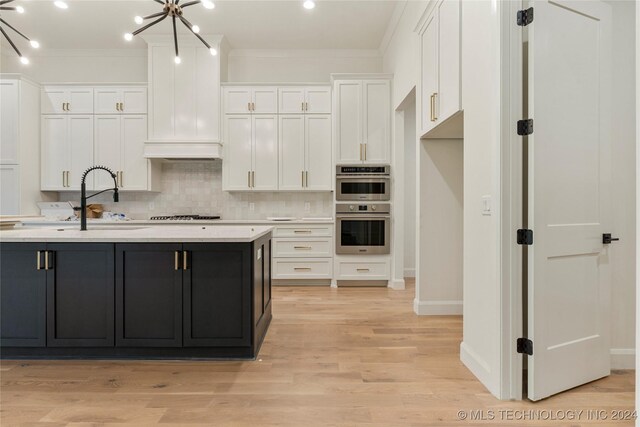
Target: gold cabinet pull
<point x="302" y="248"/>
<point x="302" y="106"/>
<point x="122" y="106"/>
<point x="306" y="179"/>
<point x="435" y="106"/>
<point x="363" y="270"/>
<point x="302" y="268"/>
<point x="176" y="260"/>
<point x="365" y="151"/>
<point x="253" y="179"/>
<point x="248" y="106"/>
<point x="253" y="106"/>
<point x="185" y="256"/>
<point x="302" y="231"/>
<point x="46" y="260"/>
<point x="302" y="178"/>
<point x="38" y="265"/>
<point x="306" y="106"/>
<point x="249" y="179"/>
<point x="63" y="178"/>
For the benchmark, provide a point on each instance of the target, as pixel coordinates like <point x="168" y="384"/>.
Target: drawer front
<point x="300" y="248"/>
<point x="354" y="270"/>
<point x="304" y="230"/>
<point x="287" y="268"/>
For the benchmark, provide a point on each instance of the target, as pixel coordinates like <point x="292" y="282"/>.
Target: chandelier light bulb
<point x="34" y="44"/>
<point x="61" y="4"/>
<point x="138" y="20"/>
<point x="213" y="51"/>
<point x="195" y="29"/>
<point x="177" y="60"/>
<point x="19" y="9"/>
<point x="24" y="60"/>
<point x="309" y="4"/>
<point x="208" y="4"/>
<point x="128" y="37"/>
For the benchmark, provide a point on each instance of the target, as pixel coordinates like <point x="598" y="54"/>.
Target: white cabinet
<point x="9" y="189"/>
<point x="9" y="121"/>
<point x="363" y="121"/>
<point x="368" y="267"/>
<point x="303" y="252"/>
<point x="251" y="152"/>
<point x="67" y="151"/>
<point x="119" y="145"/>
<point x="304" y="100"/>
<point x="440" y="96"/>
<point x="250" y="100"/>
<point x="66" y="100"/>
<point x="120" y="100"/>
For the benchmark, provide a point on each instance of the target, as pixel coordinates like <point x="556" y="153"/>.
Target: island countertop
<point x="145" y="234"/>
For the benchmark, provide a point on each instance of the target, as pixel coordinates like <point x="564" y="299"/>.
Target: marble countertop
<point x="127" y="233"/>
<point x="144" y="222"/>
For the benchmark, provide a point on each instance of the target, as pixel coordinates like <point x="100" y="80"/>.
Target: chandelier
<point x="174" y="9"/>
<point x="4" y="23"/>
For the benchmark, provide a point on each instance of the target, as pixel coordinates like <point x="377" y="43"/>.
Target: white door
<point x="349" y="121"/>
<point x="108" y="148"/>
<point x="377" y="121"/>
<point x="9" y="121"/>
<point x="429" y="74"/>
<point x="53" y="100"/>
<point x="448" y="97"/>
<point x="291" y="100"/>
<point x="291" y="151"/>
<point x="319" y="170"/>
<point x="318" y="100"/>
<point x="134" y="100"/>
<point x="55" y="152"/>
<point x="106" y="101"/>
<point x="237" y="100"/>
<point x="80" y="134"/>
<point x="80" y="100"/>
<point x="265" y="152"/>
<point x="238" y="152"/>
<point x="569" y="172"/>
<point x="9" y="190"/>
<point x="133" y="172"/>
<point x="265" y="100"/>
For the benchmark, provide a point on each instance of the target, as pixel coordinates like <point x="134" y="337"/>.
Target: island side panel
<point x="261" y="290"/>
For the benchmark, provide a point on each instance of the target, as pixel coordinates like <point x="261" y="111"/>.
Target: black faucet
<point x="84" y="197"/>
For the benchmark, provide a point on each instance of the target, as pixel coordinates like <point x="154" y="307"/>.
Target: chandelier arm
<point x="7" y="8"/>
<point x="154" y="15"/>
<point x="160" y="1"/>
<point x="188" y="25"/>
<point x="191" y="3"/>
<point x="138" y="31"/>
<point x="10" y="42"/>
<point x="175" y="35"/>
<point x="14" y="29"/>
<point x="5" y="1"/>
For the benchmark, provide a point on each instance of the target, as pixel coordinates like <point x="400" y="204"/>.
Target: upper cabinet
<point x="120" y="100"/>
<point x="304" y="100"/>
<point x="440" y="76"/>
<point x="250" y="100"/>
<point x="66" y="100"/>
<point x="363" y="120"/>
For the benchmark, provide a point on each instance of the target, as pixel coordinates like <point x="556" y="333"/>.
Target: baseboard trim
<point x="437" y="308"/>
<point x="623" y="358"/>
<point x="409" y="272"/>
<point x="478" y="367"/>
<point x="396" y="284"/>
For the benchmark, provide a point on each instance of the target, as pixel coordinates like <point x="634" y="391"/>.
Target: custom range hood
<point x="184" y="99"/>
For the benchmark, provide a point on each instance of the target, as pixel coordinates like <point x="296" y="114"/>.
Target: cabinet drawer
<point x="366" y="270"/>
<point x="303" y="230"/>
<point x="287" y="268"/>
<point x="298" y="248"/>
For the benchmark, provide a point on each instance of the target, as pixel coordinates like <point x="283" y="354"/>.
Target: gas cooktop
<point x="185" y="217"/>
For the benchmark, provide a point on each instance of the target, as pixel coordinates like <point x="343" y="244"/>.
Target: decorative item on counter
<point x="114" y="216"/>
<point x="94" y="210"/>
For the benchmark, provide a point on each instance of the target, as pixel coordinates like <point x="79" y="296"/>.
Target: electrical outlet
<point x="252" y="206"/>
<point x="307" y="207"/>
<point x="486" y="205"/>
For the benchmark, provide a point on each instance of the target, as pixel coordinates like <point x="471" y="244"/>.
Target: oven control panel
<point x="363" y="208"/>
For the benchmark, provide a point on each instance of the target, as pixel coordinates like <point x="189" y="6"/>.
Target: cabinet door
<point x="318" y="100"/>
<point x="238" y="151"/>
<point x="291" y="100"/>
<point x="55" y="151"/>
<point x="148" y="295"/>
<point x="134" y="166"/>
<point x="80" y="100"/>
<point x="318" y="152"/>
<point x="217" y="295"/>
<point x="377" y="121"/>
<point x="429" y="75"/>
<point x="134" y="100"/>
<point x="80" y="136"/>
<point x="237" y="100"/>
<point x="80" y="292"/>
<point x="52" y="100"/>
<point x="106" y="100"/>
<point x="108" y="148"/>
<point x="265" y="152"/>
<point x="291" y="152"/>
<point x="22" y="295"/>
<point x="9" y="121"/>
<point x="265" y="100"/>
<point x="9" y="190"/>
<point x="348" y="121"/>
<point x="448" y="98"/>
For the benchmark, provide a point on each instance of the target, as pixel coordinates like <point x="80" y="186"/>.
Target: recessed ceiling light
<point x="309" y="4"/>
<point x="61" y="4"/>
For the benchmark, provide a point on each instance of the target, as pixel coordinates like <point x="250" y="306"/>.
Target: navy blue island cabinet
<point x="134" y="300"/>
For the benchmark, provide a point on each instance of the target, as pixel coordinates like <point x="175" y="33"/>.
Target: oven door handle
<point x="362" y="177"/>
<point x="365" y="217"/>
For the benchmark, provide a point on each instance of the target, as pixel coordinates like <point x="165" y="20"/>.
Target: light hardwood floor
<point x="332" y="357"/>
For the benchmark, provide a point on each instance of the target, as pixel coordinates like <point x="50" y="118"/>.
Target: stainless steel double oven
<point x="363" y="211"/>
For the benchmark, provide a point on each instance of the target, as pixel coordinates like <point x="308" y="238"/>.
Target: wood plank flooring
<point x="332" y="357"/>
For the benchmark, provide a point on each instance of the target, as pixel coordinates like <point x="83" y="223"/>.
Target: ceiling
<point x="99" y="24"/>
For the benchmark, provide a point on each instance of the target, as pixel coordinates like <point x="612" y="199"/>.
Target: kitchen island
<point x="135" y="292"/>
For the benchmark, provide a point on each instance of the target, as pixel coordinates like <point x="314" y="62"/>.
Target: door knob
<point x="607" y="239"/>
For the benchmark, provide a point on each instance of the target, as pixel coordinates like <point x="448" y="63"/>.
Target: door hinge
<point x="524" y="346"/>
<point x="525" y="127"/>
<point x="525" y="17"/>
<point x="525" y="236"/>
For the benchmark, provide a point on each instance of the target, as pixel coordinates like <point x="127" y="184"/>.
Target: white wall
<point x="299" y="65"/>
<point x="409" y="190"/>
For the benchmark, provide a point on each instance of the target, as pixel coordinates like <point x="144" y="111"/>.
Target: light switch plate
<point x="486" y="205"/>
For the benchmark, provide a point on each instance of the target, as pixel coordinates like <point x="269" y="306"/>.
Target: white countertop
<point x="147" y="222"/>
<point x="156" y="234"/>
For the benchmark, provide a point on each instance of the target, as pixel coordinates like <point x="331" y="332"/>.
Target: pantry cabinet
<point x="66" y="100"/>
<point x="304" y="100"/>
<point x="440" y="73"/>
<point x="120" y="100"/>
<point x="250" y="100"/>
<point x="363" y="120"/>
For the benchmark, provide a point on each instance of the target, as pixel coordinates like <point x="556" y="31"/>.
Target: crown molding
<point x="398" y="11"/>
<point x="305" y="53"/>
